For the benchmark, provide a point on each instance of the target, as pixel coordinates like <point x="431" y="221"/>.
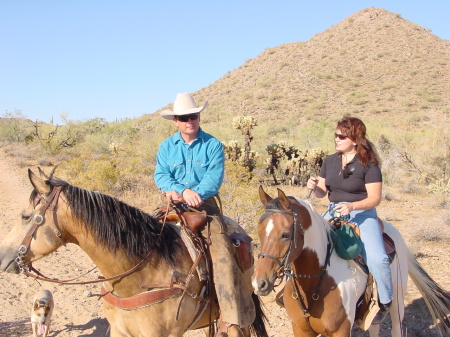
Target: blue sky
<point x="122" y="59"/>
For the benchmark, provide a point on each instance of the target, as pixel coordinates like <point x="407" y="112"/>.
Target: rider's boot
<point x="382" y="314"/>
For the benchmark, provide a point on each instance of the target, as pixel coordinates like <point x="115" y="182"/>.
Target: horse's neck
<point x="316" y="239"/>
<point x="316" y="236"/>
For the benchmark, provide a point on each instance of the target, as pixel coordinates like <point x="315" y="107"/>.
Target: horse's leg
<point x="298" y="332"/>
<point x="397" y="312"/>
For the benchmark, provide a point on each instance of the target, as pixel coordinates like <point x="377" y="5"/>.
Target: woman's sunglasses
<point x="340" y="136"/>
<point x="185" y="118"/>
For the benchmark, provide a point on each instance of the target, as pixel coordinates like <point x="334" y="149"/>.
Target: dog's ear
<point x="48" y="305"/>
<point x="36" y="304"/>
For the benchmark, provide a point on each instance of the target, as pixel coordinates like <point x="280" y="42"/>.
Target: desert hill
<point x="373" y="64"/>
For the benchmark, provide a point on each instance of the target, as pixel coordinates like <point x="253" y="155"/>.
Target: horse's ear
<point x="38" y="184"/>
<point x="53" y="171"/>
<point x="42" y="173"/>
<point x="265" y="198"/>
<point x="284" y="200"/>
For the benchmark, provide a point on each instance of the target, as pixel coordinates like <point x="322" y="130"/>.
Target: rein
<point x="51" y="203"/>
<point x="155" y="293"/>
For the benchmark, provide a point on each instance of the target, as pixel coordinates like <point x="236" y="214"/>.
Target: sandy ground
<point x="78" y="311"/>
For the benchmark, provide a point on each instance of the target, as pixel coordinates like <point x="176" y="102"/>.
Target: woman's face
<point x="343" y="143"/>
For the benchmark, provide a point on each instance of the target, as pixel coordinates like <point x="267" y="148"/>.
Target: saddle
<point x="194" y="221"/>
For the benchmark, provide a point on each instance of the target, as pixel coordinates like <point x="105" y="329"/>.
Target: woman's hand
<point x="312" y="183"/>
<point x="344" y="209"/>
<point x="317" y="184"/>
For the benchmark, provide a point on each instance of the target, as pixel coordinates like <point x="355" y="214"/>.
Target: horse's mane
<point x="119" y="226"/>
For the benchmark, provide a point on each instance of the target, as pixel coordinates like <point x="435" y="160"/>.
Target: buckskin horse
<point x="150" y="285"/>
<point x="322" y="290"/>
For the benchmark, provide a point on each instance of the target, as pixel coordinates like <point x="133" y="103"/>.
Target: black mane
<point x="119" y="226"/>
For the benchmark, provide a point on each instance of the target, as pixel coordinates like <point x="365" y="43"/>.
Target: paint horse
<point x="150" y="288"/>
<point x="322" y="290"/>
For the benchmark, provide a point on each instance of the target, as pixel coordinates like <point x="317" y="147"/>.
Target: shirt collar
<point x="177" y="137"/>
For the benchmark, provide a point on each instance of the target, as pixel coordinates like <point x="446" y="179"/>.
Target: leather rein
<point x="155" y="293"/>
<point x="51" y="202"/>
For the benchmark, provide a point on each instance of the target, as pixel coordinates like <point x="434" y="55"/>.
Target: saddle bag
<point x="243" y="254"/>
<point x="346" y="241"/>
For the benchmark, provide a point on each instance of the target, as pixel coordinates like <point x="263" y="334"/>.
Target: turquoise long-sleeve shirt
<point x="198" y="166"/>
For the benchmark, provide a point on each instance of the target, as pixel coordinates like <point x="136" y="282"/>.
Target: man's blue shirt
<point x="198" y="166"/>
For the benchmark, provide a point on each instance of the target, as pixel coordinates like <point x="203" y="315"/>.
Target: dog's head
<point x="41" y="310"/>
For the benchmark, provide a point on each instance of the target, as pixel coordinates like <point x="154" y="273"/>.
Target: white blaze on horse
<point x="322" y="291"/>
<point x="150" y="286"/>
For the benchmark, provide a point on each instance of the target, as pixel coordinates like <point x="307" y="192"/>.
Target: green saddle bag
<point x="346" y="241"/>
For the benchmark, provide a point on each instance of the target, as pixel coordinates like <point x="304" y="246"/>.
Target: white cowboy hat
<point x="184" y="105"/>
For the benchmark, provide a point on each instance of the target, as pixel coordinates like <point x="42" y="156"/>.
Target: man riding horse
<point x="190" y="170"/>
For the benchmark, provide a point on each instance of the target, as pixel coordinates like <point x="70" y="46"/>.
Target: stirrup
<point x="225" y="329"/>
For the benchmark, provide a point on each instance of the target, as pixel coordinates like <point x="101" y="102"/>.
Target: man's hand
<point x="174" y="196"/>
<point x="192" y="198"/>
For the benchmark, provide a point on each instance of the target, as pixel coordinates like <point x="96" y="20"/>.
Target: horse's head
<point x="37" y="234"/>
<point x="281" y="231"/>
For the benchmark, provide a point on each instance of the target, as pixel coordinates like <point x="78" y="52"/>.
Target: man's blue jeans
<point x="373" y="251"/>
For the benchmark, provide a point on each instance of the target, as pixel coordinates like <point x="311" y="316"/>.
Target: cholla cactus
<point x="246" y="124"/>
<point x="275" y="153"/>
<point x="296" y="166"/>
<point x="114" y="148"/>
<point x="232" y="150"/>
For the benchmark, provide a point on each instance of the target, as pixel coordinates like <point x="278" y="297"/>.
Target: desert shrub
<point x="357" y="98"/>
<point x="440" y="186"/>
<point x="110" y="173"/>
<point x="15" y="127"/>
<point x="239" y="195"/>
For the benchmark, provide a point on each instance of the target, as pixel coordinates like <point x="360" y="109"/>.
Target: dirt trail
<point x="78" y="311"/>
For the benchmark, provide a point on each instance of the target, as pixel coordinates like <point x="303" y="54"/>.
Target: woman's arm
<point x="373" y="200"/>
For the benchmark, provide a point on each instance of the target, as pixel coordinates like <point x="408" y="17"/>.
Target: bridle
<point x="51" y="202"/>
<point x="286" y="270"/>
<point x="284" y="262"/>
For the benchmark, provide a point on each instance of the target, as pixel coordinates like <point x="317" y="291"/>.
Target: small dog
<point x="41" y="313"/>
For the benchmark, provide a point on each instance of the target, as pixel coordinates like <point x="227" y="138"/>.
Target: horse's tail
<point x="258" y="327"/>
<point x="436" y="299"/>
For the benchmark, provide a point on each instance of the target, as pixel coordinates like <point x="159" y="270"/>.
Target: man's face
<point x="188" y="124"/>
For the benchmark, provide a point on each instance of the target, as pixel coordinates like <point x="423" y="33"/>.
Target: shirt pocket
<point x="177" y="169"/>
<point x="200" y="166"/>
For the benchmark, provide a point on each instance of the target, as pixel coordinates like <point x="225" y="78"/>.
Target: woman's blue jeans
<point x="373" y="251"/>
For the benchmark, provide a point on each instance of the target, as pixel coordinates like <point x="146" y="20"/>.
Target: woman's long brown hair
<point x="355" y="129"/>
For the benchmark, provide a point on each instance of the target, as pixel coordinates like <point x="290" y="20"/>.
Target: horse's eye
<point x="26" y="216"/>
<point x="286" y="235"/>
